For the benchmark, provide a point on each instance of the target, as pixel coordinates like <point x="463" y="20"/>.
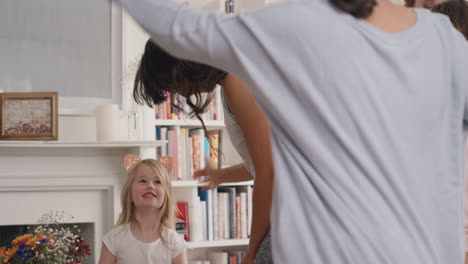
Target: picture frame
<point x="29" y="116"/>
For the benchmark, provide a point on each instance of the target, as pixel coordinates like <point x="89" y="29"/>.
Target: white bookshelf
<point x="218" y="243"/>
<point x="189" y="123"/>
<point x="199" y="184"/>
<point x="187" y="190"/>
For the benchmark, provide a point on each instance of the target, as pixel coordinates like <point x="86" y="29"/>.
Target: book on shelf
<point x="249" y="210"/>
<point x="161" y="134"/>
<point x="182" y="215"/>
<point x="172" y="151"/>
<point x="198" y="148"/>
<point x="230" y="213"/>
<point x="196" y="220"/>
<point x="243" y="204"/>
<point x="238" y="218"/>
<point x="214" y="213"/>
<point x="225" y="257"/>
<point x="218" y="214"/>
<point x="213" y="136"/>
<point x="207" y="197"/>
<point x="189" y="148"/>
<point x="204" y="228"/>
<point x="218" y="257"/>
<point x="180" y="227"/>
<point x="238" y="254"/>
<point x="167" y="111"/>
<point x="232" y="260"/>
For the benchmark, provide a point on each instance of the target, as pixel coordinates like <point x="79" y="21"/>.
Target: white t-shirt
<point x="128" y="250"/>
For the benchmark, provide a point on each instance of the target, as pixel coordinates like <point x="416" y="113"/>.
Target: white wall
<point x="83" y="127"/>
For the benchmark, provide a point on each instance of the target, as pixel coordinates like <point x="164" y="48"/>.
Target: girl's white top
<point x="128" y="250"/>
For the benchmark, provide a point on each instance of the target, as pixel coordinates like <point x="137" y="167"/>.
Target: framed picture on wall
<point x="28" y="116"/>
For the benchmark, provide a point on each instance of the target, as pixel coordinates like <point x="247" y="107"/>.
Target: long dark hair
<point x="159" y="73"/>
<point x="357" y="8"/>
<point x="457" y="11"/>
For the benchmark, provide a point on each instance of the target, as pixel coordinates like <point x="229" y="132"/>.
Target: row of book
<point x="190" y="149"/>
<point x="217" y="214"/>
<point x="221" y="257"/>
<point x="167" y="110"/>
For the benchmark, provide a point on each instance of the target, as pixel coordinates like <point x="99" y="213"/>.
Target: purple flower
<point x="21" y="246"/>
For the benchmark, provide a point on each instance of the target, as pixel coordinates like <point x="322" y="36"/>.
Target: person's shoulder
<point x="172" y="236"/>
<point x="175" y="242"/>
<point x="286" y="8"/>
<point x="442" y="25"/>
<point x="115" y="237"/>
<point x="437" y="19"/>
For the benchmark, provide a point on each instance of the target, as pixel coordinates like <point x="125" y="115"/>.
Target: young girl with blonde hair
<point x="145" y="230"/>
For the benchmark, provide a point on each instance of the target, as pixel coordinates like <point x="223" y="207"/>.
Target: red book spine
<point x="182" y="213"/>
<point x="233" y="259"/>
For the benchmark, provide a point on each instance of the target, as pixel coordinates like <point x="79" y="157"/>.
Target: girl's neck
<point x="144" y="225"/>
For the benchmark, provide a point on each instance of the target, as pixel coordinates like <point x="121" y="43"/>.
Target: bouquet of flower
<point x="47" y="244"/>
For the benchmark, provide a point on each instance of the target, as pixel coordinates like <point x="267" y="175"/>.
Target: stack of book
<point x="224" y="257"/>
<point x="190" y="148"/>
<point x="175" y="107"/>
<point x="218" y="214"/>
<point x="181" y="227"/>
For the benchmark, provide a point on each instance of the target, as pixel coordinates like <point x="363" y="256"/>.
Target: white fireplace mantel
<point x="82" y="178"/>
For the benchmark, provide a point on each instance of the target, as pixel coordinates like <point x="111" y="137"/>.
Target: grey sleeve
<point x="206" y="37"/>
<point x="461" y="76"/>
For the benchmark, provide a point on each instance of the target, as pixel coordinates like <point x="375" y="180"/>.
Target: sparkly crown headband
<point x="131" y="160"/>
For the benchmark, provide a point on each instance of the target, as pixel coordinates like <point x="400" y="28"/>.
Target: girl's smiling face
<point x="147" y="188"/>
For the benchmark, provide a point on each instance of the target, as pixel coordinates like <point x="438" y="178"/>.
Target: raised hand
<point x="208" y="175"/>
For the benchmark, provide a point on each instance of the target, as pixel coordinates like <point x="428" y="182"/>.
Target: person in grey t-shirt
<point x="367" y="102"/>
<point x="160" y="72"/>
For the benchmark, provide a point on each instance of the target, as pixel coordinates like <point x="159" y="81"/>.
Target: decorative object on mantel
<point x="28" y="116"/>
<point x="48" y="243"/>
<point x="133" y="111"/>
<point x="107" y="122"/>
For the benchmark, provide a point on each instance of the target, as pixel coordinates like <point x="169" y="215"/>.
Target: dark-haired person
<point x="248" y="128"/>
<point x="457" y="11"/>
<point x="366" y="102"/>
<point x="428" y="4"/>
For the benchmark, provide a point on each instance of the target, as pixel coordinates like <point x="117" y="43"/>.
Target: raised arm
<point x="235" y="173"/>
<point x="190" y="34"/>
<point x="256" y="130"/>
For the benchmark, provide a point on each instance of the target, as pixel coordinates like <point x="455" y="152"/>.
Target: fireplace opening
<point x="87" y="231"/>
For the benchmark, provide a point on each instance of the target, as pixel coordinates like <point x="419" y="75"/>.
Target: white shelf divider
<point x="189" y="123"/>
<point x="198" y="184"/>
<point x="218" y="243"/>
